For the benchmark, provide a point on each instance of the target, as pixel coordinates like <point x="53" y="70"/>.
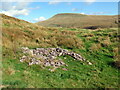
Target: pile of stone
<point x="47" y="56"/>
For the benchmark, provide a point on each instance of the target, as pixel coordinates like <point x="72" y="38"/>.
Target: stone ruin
<point x="48" y="56"/>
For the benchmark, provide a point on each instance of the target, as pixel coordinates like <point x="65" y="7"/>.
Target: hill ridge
<point x="10" y="17"/>
<point x="80" y="21"/>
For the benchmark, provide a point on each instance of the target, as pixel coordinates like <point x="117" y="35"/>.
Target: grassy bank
<point x="97" y="46"/>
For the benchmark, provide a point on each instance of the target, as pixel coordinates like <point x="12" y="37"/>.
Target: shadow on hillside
<point x="115" y="64"/>
<point x="92" y="27"/>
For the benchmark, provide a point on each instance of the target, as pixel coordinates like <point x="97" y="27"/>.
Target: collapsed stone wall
<point x="47" y="56"/>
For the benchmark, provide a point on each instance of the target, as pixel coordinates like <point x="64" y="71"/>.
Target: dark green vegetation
<point x="98" y="46"/>
<point x="81" y="21"/>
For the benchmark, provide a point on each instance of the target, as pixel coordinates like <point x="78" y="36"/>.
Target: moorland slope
<point x="73" y="20"/>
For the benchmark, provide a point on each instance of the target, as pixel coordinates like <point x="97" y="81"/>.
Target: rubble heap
<point x="47" y="56"/>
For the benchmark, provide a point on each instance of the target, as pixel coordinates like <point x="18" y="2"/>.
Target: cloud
<point x="54" y="2"/>
<point x="74" y="9"/>
<point x="15" y="8"/>
<point x="82" y="13"/>
<point x="16" y="12"/>
<point x="34" y="8"/>
<point x="69" y="3"/>
<point x="6" y="6"/>
<point x="17" y="0"/>
<point x="21" y="5"/>
<point x="40" y="19"/>
<point x="96" y="13"/>
<point x="89" y="1"/>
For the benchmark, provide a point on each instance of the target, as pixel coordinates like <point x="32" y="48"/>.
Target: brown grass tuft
<point x="10" y="71"/>
<point x="115" y="52"/>
<point x="95" y="47"/>
<point x="106" y="42"/>
<point x="87" y="35"/>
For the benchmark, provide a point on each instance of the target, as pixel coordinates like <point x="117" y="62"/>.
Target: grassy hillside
<point x="80" y="21"/>
<point x="99" y="47"/>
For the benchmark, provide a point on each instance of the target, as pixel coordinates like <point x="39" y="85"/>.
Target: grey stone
<point x="47" y="56"/>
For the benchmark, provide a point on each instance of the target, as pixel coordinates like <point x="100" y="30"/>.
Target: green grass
<point x="97" y="46"/>
<point x="100" y="74"/>
<point x="79" y="75"/>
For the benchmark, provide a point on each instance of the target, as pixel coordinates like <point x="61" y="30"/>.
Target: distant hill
<point x="80" y="21"/>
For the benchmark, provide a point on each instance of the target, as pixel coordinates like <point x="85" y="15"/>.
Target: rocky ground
<point x="48" y="56"/>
